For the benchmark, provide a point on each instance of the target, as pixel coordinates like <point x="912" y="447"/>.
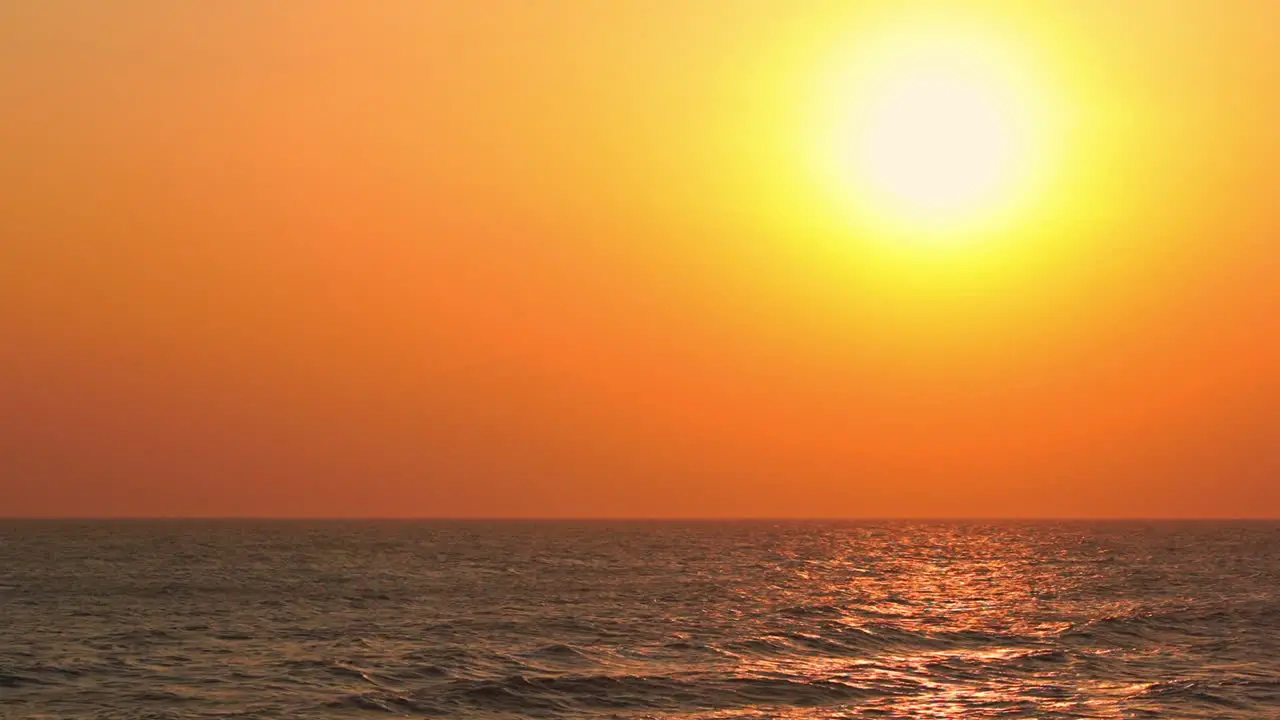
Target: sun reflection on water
<point x="944" y="624"/>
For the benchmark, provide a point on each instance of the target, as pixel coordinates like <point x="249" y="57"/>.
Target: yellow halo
<point x="937" y="133"/>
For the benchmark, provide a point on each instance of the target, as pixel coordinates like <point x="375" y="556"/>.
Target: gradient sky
<point x="567" y="258"/>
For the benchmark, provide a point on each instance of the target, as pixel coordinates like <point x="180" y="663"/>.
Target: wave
<point x="1184" y="692"/>
<point x="10" y="679"/>
<point x="1168" y="624"/>
<point x="560" y="652"/>
<point x="639" y="692"/>
<point x="376" y="702"/>
<point x="850" y="641"/>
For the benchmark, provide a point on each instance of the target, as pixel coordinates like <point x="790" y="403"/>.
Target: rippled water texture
<point x="639" y="620"/>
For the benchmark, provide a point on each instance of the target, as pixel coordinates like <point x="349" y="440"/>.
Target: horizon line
<point x="656" y="518"/>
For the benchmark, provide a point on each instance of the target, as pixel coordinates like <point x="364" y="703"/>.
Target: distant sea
<point x="760" y="619"/>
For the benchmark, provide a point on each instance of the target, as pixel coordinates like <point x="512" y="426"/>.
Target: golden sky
<point x="578" y="258"/>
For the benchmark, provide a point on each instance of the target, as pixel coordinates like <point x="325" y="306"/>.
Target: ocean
<point x="629" y="620"/>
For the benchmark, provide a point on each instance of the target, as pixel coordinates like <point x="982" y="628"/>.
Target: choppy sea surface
<point x="250" y="619"/>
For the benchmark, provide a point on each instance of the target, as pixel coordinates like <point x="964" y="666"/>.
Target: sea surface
<point x="761" y="619"/>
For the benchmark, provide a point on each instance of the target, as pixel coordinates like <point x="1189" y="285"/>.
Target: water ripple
<point x="632" y="621"/>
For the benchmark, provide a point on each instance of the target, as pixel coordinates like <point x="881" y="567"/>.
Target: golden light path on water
<point x="953" y="589"/>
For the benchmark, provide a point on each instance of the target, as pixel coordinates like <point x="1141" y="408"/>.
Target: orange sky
<point x="566" y="258"/>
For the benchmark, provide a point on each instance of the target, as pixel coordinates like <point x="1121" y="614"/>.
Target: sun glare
<point x="935" y="145"/>
<point x="936" y="135"/>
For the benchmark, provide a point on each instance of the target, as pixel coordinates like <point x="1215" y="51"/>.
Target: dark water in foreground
<point x="639" y="620"/>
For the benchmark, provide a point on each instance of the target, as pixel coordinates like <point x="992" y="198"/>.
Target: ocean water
<point x="193" y="619"/>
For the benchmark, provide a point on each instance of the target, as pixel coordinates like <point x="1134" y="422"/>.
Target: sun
<point x="935" y="145"/>
<point x="937" y="133"/>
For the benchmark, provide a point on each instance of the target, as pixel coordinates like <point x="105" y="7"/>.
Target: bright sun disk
<point x="935" y="144"/>
<point x="935" y="136"/>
